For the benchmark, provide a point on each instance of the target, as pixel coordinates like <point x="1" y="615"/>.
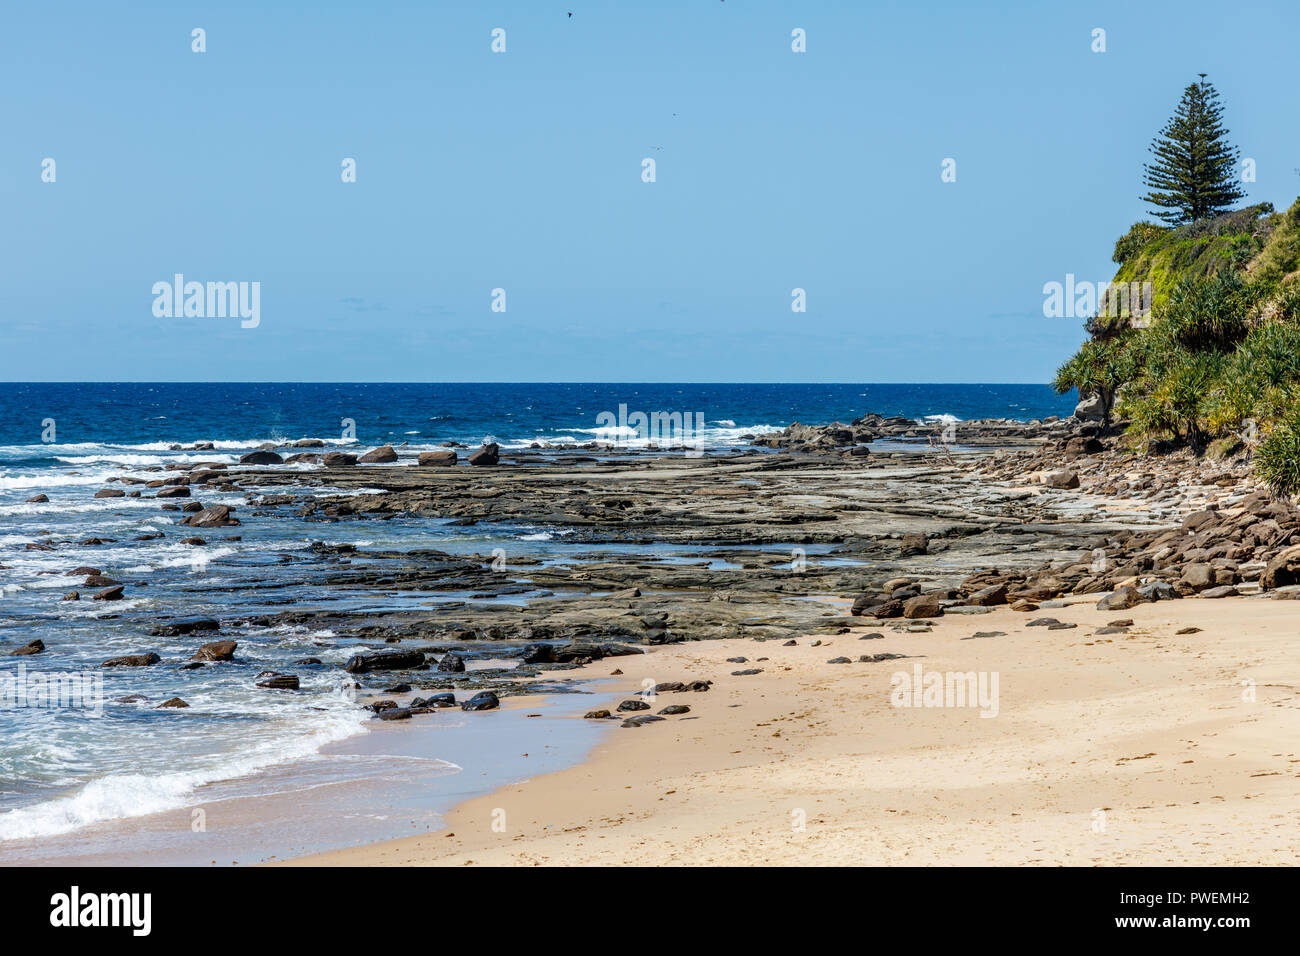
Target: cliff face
<point x="1263" y="242"/>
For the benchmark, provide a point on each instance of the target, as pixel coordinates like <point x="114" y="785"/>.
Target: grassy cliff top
<point x="1263" y="243"/>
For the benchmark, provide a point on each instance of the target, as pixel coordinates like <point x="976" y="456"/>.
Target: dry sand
<point x="1136" y="748"/>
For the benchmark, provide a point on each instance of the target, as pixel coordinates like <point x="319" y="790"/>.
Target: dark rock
<point x="483" y="700"/>
<point x="133" y="660"/>
<point x="213" y="516"/>
<point x="674" y="709"/>
<point x="597" y="715"/>
<point x="339" y="459"/>
<point x="179" y="491"/>
<point x="109" y="594"/>
<point x="1119" y="600"/>
<point x="633" y="705"/>
<point x="216" y="651"/>
<point x="990" y="596"/>
<point x="173" y="702"/>
<point x="640" y="720"/>
<point x="34" y="647"/>
<point x="280" y="682"/>
<point x="538" y="654"/>
<point x="261" y="458"/>
<point x="384" y="661"/>
<point x="1061" y="479"/>
<point x="451" y="663"/>
<point x="381" y="455"/>
<point x="923" y="606"/>
<point x="489" y="454"/>
<point x="747" y="672"/>
<point x="1283" y="569"/>
<point x="187" y="625"/>
<point x="437" y="459"/>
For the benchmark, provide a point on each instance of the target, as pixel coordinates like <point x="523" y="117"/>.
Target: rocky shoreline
<point x="769" y="543"/>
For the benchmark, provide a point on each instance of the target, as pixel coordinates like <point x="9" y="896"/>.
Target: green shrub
<point x="1278" y="460"/>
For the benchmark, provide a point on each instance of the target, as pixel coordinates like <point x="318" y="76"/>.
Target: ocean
<point x="68" y="767"/>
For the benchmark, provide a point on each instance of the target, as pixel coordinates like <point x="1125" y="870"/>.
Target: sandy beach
<point x="1142" y="747"/>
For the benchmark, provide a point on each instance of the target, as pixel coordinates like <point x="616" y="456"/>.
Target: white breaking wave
<point x="122" y="795"/>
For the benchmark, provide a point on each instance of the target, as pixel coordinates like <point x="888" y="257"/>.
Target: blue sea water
<point x="144" y="413"/>
<point x="64" y="768"/>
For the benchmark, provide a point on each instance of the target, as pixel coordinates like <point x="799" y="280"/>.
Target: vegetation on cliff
<point x="1216" y="362"/>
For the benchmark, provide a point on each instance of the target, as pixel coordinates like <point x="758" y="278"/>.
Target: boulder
<point x="437" y="459"/>
<point x="214" y="516"/>
<point x="174" y="702"/>
<point x="483" y="700"/>
<point x="279" y="682"/>
<point x="1075" y="447"/>
<point x="921" y="606"/>
<point x="451" y="663"/>
<point x="888" y="609"/>
<point x="186" y="625"/>
<point x="133" y="660"/>
<point x="1198" y="577"/>
<point x="110" y="493"/>
<point x="1119" y="600"/>
<point x="215" y="651"/>
<point x="339" y="459"/>
<point x="1282" y="570"/>
<point x="381" y="455"/>
<point x="1090" y="408"/>
<point x="489" y="454"/>
<point x="989" y="596"/>
<point x="37" y="499"/>
<point x="640" y="720"/>
<point x="261" y="458"/>
<point x="35" y="647"/>
<point x="1061" y="479"/>
<point x="383" y="661"/>
<point x="109" y="594"/>
<point x="538" y="654"/>
<point x="177" y="491"/>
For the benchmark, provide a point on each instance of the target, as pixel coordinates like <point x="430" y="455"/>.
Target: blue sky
<point x="522" y="171"/>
